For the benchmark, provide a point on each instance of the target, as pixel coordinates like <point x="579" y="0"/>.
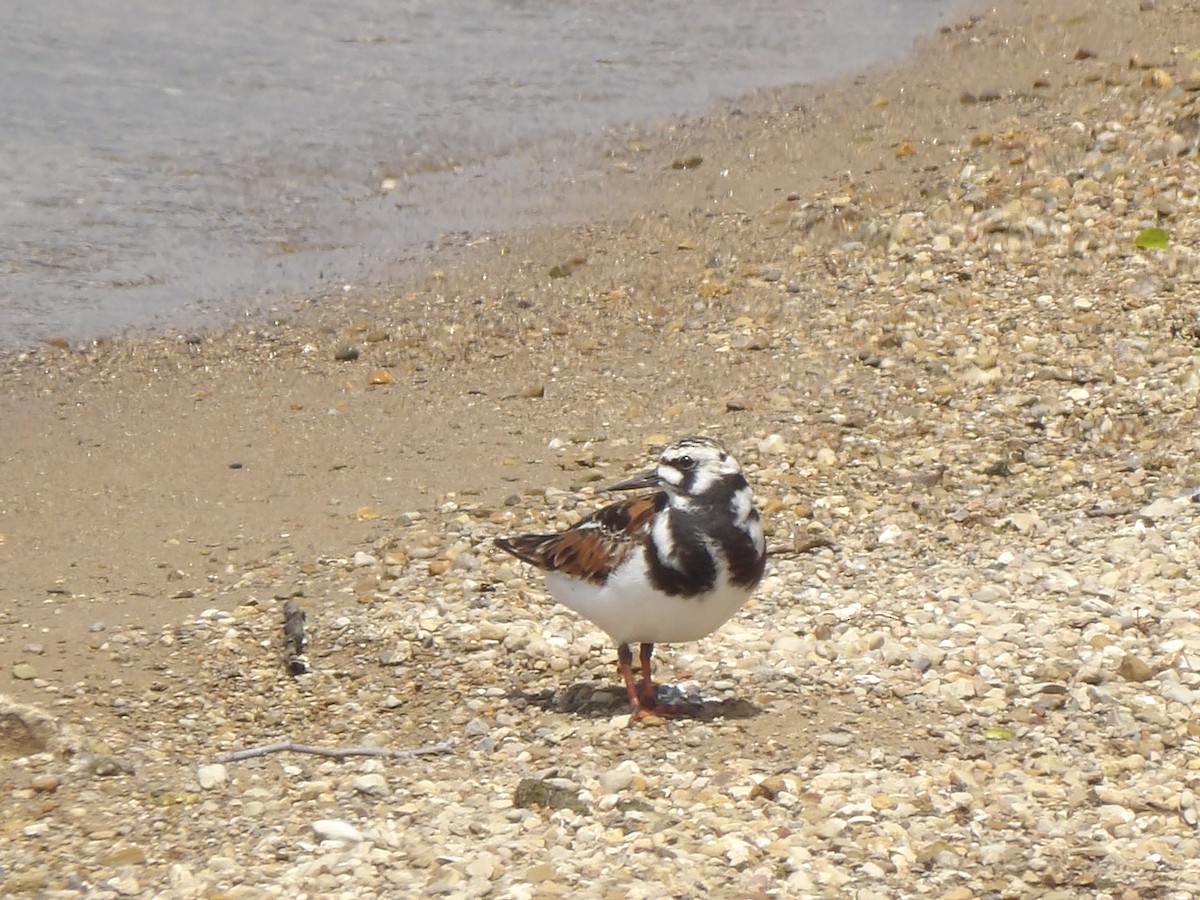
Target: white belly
<point x="629" y="610"/>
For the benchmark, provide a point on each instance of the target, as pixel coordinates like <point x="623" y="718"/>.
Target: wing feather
<point x="590" y="550"/>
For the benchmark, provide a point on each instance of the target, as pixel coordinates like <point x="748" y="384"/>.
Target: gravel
<point x="972" y="670"/>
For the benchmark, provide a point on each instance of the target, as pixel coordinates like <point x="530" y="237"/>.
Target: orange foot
<point x="662" y="711"/>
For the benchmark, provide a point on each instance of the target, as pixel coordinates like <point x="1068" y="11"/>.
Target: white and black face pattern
<point x="695" y="467"/>
<point x="711" y="529"/>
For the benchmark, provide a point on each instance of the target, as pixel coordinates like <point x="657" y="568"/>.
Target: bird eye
<point x="684" y="463"/>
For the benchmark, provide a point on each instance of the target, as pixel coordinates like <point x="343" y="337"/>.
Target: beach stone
<point x="769" y="788"/>
<point x="336" y="830"/>
<point x="125" y="885"/>
<point x="106" y="765"/>
<point x="483" y="866"/>
<point x="182" y="878"/>
<point x="1133" y="669"/>
<point x="1162" y="508"/>
<point x="836" y="738"/>
<point x="212" y="776"/>
<point x="1189" y="807"/>
<point x="372" y="784"/>
<point x="477" y="728"/>
<point x="539" y="872"/>
<point x="889" y="534"/>
<point x="132" y="855"/>
<point x="45" y="783"/>
<point x="773" y="444"/>
<point x="533" y="793"/>
<point x="619" y="779"/>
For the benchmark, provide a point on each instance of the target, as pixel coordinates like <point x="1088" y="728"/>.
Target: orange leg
<point x="649" y="693"/>
<point x="647" y="696"/>
<point x="625" y="663"/>
<point x="643" y="699"/>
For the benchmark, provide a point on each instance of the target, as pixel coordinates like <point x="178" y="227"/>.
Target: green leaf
<point x="999" y="733"/>
<point x="1152" y="238"/>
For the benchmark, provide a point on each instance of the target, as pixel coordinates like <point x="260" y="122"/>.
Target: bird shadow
<point x="602" y="701"/>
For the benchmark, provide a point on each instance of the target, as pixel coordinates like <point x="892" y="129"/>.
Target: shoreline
<point x="816" y="162"/>
<point x="379" y="204"/>
<point x="911" y="303"/>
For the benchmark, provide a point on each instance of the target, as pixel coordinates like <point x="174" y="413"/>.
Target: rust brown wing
<point x="592" y="549"/>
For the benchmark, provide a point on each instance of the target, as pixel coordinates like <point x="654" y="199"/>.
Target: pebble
<point x="45" y="783"/>
<point x="126" y="856"/>
<point x="774" y="445"/>
<point x="125" y="886"/>
<point x="363" y="559"/>
<point x="837" y="738"/>
<point x="211" y="776"/>
<point x="24" y="671"/>
<point x="619" y="779"/>
<point x="372" y="784"/>
<point x="1162" y="508"/>
<point x="1133" y="669"/>
<point x="477" y="728"/>
<point x="889" y="534"/>
<point x="336" y="830"/>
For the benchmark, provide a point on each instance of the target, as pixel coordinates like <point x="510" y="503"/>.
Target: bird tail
<point x="526" y="547"/>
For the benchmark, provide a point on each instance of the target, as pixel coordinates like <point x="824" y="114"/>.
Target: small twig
<point x="294" y="639"/>
<point x="801" y="544"/>
<point x="336" y="753"/>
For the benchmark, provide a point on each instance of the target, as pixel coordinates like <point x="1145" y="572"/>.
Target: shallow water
<point x="175" y="164"/>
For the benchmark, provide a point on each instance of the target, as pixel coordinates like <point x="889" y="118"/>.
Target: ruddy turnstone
<point x="672" y="565"/>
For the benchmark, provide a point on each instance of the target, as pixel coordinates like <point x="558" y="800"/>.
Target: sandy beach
<point x="911" y="302"/>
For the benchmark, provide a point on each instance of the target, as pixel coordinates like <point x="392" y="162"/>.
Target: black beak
<point x="637" y="482"/>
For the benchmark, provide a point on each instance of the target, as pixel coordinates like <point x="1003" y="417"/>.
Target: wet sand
<point x="142" y="477"/>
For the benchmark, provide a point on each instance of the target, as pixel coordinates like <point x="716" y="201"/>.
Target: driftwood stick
<point x="803" y="543"/>
<point x="294" y="638"/>
<point x="336" y="753"/>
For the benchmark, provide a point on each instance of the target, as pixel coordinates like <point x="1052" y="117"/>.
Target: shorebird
<point x="671" y="565"/>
